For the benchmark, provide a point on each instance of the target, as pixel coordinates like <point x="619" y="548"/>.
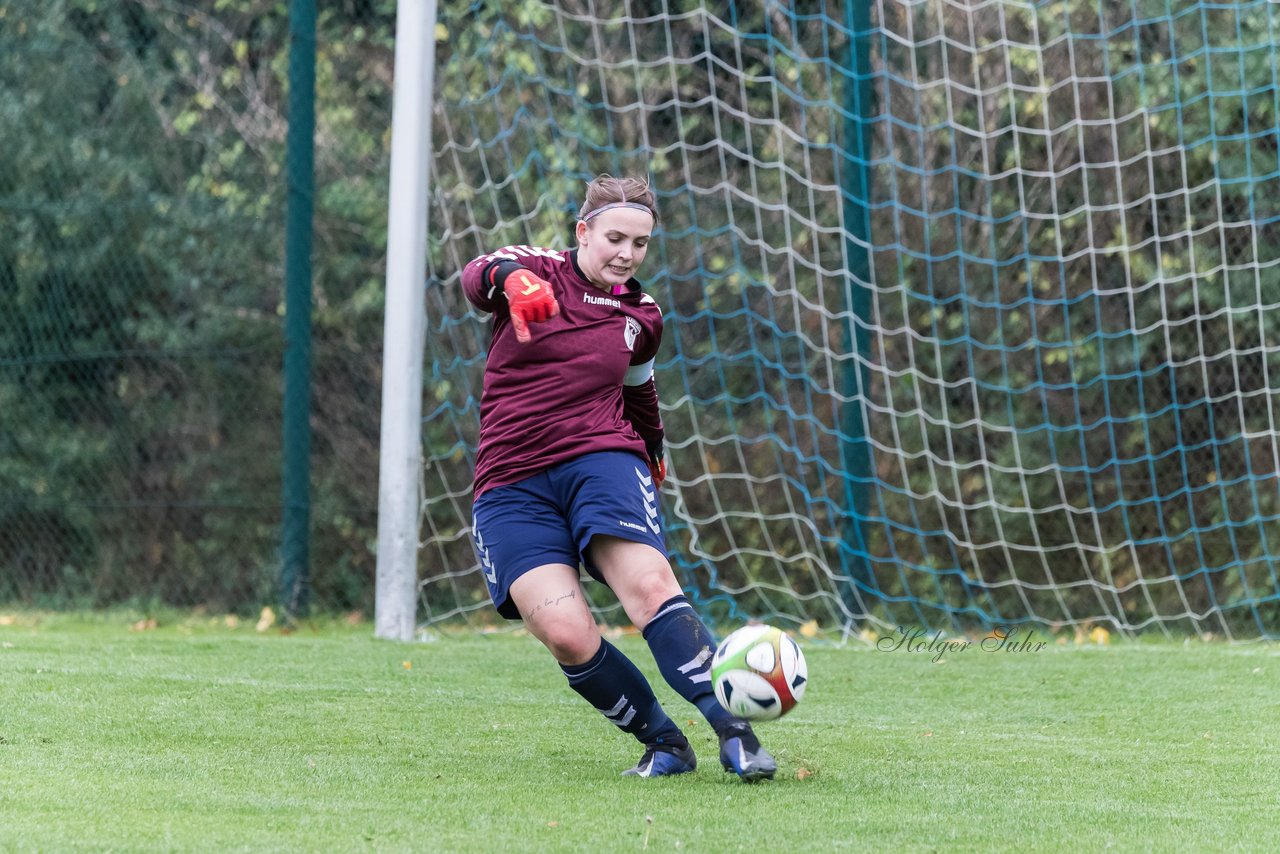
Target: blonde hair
<point x="607" y="190"/>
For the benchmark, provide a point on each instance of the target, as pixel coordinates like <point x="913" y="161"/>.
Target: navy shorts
<point x="551" y="518"/>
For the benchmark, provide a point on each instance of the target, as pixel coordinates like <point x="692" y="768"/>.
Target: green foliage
<point x="140" y="329"/>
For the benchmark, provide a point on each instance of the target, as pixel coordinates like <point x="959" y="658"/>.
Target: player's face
<point x="612" y="245"/>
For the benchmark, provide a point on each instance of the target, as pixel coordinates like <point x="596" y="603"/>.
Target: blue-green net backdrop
<point x="972" y="309"/>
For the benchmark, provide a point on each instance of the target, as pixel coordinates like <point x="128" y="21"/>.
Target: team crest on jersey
<point x="633" y="329"/>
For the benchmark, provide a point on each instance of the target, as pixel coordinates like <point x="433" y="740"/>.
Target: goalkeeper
<point x="568" y="469"/>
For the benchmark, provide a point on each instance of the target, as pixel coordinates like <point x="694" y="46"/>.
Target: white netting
<point x="971" y="307"/>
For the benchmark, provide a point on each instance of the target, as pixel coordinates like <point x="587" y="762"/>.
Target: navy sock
<point x="612" y="684"/>
<point x="683" y="646"/>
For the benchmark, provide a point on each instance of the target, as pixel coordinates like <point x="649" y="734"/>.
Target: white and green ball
<point x="759" y="673"/>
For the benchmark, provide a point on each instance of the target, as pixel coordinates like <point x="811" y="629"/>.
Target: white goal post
<point x="400" y="455"/>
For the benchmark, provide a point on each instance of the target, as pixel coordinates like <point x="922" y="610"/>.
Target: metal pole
<point x="400" y="455"/>
<point x="296" y="523"/>
<point x="854" y="555"/>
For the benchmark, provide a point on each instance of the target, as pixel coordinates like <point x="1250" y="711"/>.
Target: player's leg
<point x="613" y="514"/>
<point x="550" y="600"/>
<point x="681" y="644"/>
<point x="614" y="518"/>
<point x="529" y="557"/>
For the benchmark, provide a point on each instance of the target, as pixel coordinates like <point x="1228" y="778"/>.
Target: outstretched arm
<point x="498" y="282"/>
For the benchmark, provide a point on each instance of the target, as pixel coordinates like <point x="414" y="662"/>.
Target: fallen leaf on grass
<point x="1096" y="635"/>
<point x="266" y="619"/>
<point x="144" y="625"/>
<point x="407" y="665"/>
<point x="803" y="773"/>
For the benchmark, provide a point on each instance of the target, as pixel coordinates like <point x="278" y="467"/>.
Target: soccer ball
<point x="759" y="673"/>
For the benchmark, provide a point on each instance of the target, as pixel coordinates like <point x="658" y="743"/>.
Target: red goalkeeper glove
<point x="531" y="301"/>
<point x="658" y="471"/>
<point x="657" y="463"/>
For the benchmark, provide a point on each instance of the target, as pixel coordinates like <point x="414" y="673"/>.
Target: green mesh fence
<point x="141" y="278"/>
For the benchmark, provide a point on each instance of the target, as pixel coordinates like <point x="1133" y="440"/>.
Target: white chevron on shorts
<point x="650" y="500"/>
<point x="698" y="663"/>
<point x="617" y="715"/>
<point x="645" y="483"/>
<point x="486" y="563"/>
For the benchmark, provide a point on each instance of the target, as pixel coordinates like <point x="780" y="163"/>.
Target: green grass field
<point x="199" y="737"/>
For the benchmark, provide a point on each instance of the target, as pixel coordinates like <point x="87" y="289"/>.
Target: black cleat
<point x="741" y="754"/>
<point x="663" y="760"/>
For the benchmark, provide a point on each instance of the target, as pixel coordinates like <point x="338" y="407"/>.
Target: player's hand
<point x="531" y="301"/>
<point x="657" y="463"/>
<point x="658" y="471"/>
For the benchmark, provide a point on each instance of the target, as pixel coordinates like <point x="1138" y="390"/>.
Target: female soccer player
<point x="569" y="465"/>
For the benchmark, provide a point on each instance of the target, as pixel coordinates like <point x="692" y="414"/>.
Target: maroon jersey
<point x="584" y="383"/>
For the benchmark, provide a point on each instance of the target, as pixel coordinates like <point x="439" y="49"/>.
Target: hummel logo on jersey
<point x="595" y="300"/>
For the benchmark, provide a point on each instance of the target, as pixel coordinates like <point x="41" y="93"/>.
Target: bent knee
<point x="650" y="595"/>
<point x="570" y="641"/>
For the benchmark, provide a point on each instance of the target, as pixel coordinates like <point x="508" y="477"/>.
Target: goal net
<point x="973" y="308"/>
